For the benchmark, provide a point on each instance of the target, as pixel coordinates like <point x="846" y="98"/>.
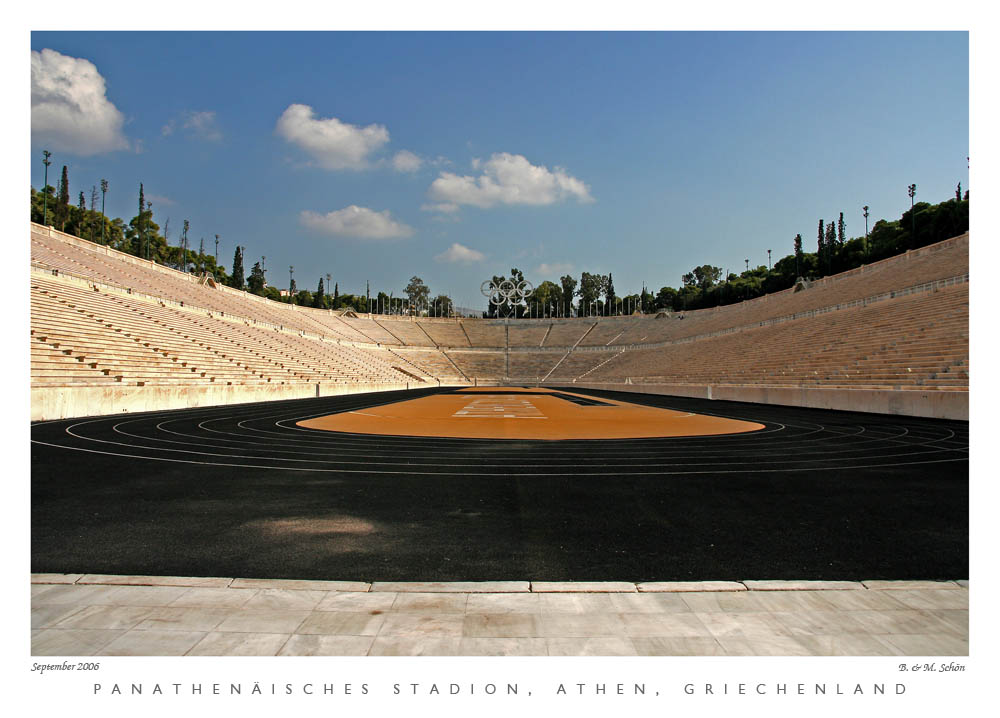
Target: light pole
<point x="290" y="270"/>
<point x="748" y="263"/>
<point x="149" y="206"/>
<point x="216" y="250"/>
<point x="104" y="191"/>
<point x="45" y="187"/>
<point x="769" y="260"/>
<point x="912" y="191"/>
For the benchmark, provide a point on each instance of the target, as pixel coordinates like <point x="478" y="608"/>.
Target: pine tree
<point x="256" y="281"/>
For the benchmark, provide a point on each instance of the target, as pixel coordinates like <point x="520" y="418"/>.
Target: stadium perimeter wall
<point x="906" y="402"/>
<point x="48" y="403"/>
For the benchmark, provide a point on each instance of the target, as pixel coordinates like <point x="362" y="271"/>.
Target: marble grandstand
<point x="111" y="333"/>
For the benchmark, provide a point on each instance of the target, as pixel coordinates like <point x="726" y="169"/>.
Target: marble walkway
<point x="96" y="615"/>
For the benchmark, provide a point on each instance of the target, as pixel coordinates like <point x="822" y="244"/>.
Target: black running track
<point x="242" y="491"/>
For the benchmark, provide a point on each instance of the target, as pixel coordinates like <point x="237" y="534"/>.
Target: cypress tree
<point x="320" y="295"/>
<point x="184" y="241"/>
<point x="829" y="244"/>
<point x="62" y="209"/>
<point x="841" y="230"/>
<point x="798" y="255"/>
<point x="820" y="253"/>
<point x="138" y="226"/>
<point x="238" y="279"/>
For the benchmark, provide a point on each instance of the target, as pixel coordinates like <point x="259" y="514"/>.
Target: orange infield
<point x="520" y="413"/>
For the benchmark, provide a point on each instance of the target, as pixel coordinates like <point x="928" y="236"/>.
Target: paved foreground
<point x="83" y="615"/>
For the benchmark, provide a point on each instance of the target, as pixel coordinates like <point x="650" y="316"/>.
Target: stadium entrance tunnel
<point x="521" y="413"/>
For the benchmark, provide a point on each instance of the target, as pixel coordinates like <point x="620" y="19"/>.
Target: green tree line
<point x="705" y="286"/>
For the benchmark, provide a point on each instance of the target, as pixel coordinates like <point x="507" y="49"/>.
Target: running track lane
<point x="242" y="491"/>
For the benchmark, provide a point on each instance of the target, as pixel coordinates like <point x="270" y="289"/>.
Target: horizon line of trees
<point x="703" y="286"/>
<point x="710" y="286"/>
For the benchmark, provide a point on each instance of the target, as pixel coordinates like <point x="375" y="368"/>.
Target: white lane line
<point x="487" y="473"/>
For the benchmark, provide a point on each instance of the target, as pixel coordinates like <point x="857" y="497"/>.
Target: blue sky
<point x="455" y="156"/>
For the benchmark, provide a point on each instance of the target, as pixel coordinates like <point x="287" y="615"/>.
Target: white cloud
<point x="554" y="269"/>
<point x="331" y="143"/>
<point x="160" y="199"/>
<point x="200" y="125"/>
<point x="356" y="221"/>
<point x="70" y="110"/>
<point x="508" y="179"/>
<point x="406" y="161"/>
<point x="460" y="253"/>
<point x="446" y="207"/>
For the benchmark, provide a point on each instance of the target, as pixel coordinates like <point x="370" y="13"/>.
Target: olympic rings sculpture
<point x="506" y="291"/>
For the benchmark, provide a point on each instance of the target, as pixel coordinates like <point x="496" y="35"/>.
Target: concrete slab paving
<point x="909" y="585"/>
<point x="325" y="645"/>
<point x="342" y="624"/>
<point x="582" y="587"/>
<point x="284" y="598"/>
<point x="410" y="646"/>
<point x="292" y="584"/>
<point x="936" y="644"/>
<point x="336" y="601"/>
<point x="190" y="581"/>
<point x="56" y="577"/>
<point x="178" y="618"/>
<point x="502" y="647"/>
<point x="452" y="586"/>
<point x="304" y="618"/>
<point x="108" y="617"/>
<point x="675" y="646"/>
<point x="240" y="644"/>
<point x="45" y="616"/>
<point x="575" y="603"/>
<point x="725" y="602"/>
<point x="72" y="642"/>
<point x="141" y="595"/>
<point x="500" y="625"/>
<point x="676" y="586"/>
<point x="591" y="647"/>
<point x="215" y="597"/>
<point x="250" y="621"/>
<point x="803" y="585"/>
<point x="430" y="602"/>
<point x="152" y="643"/>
